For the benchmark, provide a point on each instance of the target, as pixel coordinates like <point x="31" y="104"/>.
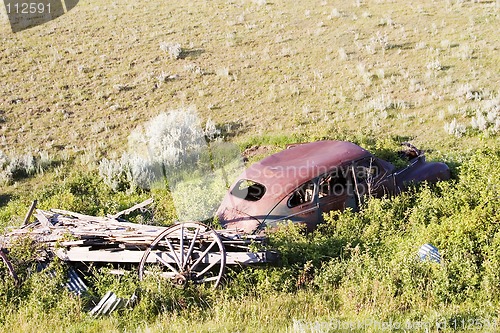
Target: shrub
<point x="455" y="128"/>
<point x="174" y="150"/>
<point x="174" y="50"/>
<point x="128" y="173"/>
<point x="171" y="145"/>
<point x="17" y="167"/>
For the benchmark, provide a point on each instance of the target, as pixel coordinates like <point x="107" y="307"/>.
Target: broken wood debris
<point x="64" y="228"/>
<point x="131" y="209"/>
<point x="30" y="211"/>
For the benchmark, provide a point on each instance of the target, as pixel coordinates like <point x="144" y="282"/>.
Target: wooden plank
<point x="43" y="219"/>
<point x="131" y="209"/>
<point x="30" y="211"/>
<point x="245" y="258"/>
<point x="72" y="243"/>
<point x="80" y="216"/>
<point x="84" y="254"/>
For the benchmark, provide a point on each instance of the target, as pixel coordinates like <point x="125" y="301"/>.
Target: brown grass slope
<point x="395" y="67"/>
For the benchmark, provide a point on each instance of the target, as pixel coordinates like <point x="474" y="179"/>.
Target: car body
<point x="304" y="181"/>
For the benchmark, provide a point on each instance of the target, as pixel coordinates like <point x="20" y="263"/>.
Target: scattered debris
<point x="65" y="229"/>
<point x="255" y="151"/>
<point x="131" y="209"/>
<point x="429" y="252"/>
<point x="110" y="302"/>
<point x="189" y="252"/>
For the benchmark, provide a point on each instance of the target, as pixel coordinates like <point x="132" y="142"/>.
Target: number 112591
<point x="27" y="8"/>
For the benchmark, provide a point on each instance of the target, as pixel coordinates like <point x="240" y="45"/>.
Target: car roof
<point x="300" y="163"/>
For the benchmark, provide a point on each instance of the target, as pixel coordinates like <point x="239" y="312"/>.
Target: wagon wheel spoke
<point x="181" y="250"/>
<point x="208" y="268"/>
<point x="191" y="247"/>
<point x="164" y="262"/>
<point x="174" y="254"/>
<point x="202" y="256"/>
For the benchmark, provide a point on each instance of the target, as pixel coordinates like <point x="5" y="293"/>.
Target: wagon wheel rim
<point x="9" y="266"/>
<point x="187" y="252"/>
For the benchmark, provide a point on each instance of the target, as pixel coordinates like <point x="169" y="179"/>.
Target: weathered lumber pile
<point x="189" y="250"/>
<point x="75" y="237"/>
<point x="63" y="229"/>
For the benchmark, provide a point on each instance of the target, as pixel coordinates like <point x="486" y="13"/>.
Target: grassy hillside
<point x="267" y="73"/>
<point x="86" y="79"/>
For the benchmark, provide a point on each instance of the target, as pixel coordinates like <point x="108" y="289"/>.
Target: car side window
<point x="332" y="185"/>
<point x="302" y="195"/>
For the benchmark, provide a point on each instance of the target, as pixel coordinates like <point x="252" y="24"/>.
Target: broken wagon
<point x="183" y="252"/>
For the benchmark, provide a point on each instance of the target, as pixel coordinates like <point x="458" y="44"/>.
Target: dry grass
<point x="93" y="74"/>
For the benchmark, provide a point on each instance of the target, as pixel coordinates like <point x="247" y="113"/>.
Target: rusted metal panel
<point x="291" y="167"/>
<point x="74" y="282"/>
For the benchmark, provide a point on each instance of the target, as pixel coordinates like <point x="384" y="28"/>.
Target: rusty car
<point x="304" y="181"/>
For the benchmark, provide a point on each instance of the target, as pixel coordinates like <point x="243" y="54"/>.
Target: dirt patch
<point x="256" y="153"/>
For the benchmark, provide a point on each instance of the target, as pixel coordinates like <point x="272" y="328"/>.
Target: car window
<point x="248" y="190"/>
<point x="333" y="184"/>
<point x="367" y="169"/>
<point x="302" y="195"/>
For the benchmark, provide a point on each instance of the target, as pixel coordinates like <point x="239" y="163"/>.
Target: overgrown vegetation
<point x="263" y="75"/>
<point x="356" y="267"/>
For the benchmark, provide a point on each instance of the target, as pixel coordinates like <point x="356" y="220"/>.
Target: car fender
<point x="420" y="171"/>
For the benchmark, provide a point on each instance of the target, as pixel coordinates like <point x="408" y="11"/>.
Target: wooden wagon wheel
<point x="187" y="252"/>
<point x="9" y="266"/>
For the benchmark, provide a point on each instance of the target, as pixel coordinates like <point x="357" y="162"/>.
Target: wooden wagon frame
<point x="184" y="252"/>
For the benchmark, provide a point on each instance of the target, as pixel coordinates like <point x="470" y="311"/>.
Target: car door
<point x="336" y="191"/>
<point x="302" y="205"/>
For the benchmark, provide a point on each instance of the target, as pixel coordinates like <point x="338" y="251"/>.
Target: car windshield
<point x="248" y="190"/>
